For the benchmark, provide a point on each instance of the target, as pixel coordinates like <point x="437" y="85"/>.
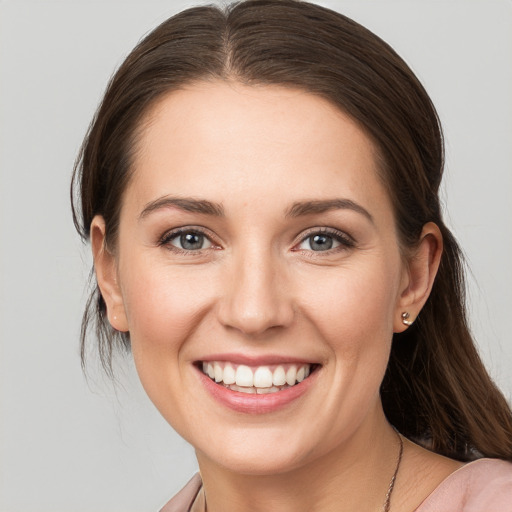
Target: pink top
<point x="484" y="485"/>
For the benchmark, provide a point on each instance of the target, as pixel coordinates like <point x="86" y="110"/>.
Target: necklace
<point x="387" y="502"/>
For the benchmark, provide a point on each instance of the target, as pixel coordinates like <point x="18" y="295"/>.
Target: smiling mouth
<point x="259" y="379"/>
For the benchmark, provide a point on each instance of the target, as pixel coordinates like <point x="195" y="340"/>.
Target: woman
<point x="260" y="189"/>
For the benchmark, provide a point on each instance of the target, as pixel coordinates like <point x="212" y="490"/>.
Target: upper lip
<point x="253" y="360"/>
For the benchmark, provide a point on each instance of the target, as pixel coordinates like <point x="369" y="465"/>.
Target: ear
<point x="106" y="275"/>
<point x="419" y="276"/>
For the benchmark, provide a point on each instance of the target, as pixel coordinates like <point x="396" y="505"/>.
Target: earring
<point x="405" y="321"/>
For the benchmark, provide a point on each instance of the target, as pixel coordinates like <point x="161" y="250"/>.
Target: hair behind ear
<point x="436" y="389"/>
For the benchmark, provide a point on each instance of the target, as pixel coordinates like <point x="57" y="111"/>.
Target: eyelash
<point x="165" y="240"/>
<point x="346" y="242"/>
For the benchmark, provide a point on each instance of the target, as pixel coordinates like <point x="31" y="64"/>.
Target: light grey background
<point x="68" y="444"/>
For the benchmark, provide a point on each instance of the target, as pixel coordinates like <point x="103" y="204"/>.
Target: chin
<point x="257" y="452"/>
<point x="261" y="464"/>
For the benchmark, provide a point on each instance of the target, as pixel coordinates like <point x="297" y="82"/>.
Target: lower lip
<point x="251" y="403"/>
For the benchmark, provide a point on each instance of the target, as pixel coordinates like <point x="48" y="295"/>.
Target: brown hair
<point x="436" y="389"/>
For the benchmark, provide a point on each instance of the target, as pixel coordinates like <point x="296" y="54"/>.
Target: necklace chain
<point x="387" y="501"/>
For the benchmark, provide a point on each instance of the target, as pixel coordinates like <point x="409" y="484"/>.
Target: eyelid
<point x="170" y="234"/>
<point x="346" y="241"/>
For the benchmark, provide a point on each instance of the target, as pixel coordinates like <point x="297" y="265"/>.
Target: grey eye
<point x="319" y="242"/>
<point x="191" y="241"/>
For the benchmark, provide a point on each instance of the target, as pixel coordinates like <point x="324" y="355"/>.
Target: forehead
<point x="233" y="141"/>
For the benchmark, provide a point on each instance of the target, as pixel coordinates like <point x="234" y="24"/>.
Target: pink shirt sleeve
<point x="484" y="485"/>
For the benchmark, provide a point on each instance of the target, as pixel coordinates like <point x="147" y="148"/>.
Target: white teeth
<point x="264" y="391"/>
<point x="244" y="376"/>
<point x="243" y="389"/>
<point x="229" y="375"/>
<point x="263" y="377"/>
<point x="279" y="377"/>
<point x="291" y="375"/>
<point x="219" y="373"/>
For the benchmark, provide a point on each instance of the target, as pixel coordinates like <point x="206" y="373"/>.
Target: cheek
<point x="354" y="317"/>
<point x="163" y="306"/>
<point x="353" y="308"/>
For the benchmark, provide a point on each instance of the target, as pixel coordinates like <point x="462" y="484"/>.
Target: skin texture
<point x="257" y="288"/>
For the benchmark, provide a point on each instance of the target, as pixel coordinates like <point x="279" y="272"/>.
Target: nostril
<point x="252" y="318"/>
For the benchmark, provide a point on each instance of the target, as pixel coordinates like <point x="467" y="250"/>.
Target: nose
<point x="256" y="297"/>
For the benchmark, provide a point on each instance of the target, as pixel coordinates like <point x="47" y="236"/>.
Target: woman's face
<point x="257" y="243"/>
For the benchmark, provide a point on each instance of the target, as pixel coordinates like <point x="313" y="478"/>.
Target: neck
<point x="356" y="474"/>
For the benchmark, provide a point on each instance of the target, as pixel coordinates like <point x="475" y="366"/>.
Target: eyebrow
<point x="298" y="209"/>
<point x="187" y="204"/>
<point x="321" y="206"/>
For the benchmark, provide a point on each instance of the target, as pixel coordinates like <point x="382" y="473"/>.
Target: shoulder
<point x="484" y="485"/>
<point x="184" y="499"/>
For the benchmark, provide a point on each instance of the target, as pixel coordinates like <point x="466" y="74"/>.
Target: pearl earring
<point x="405" y="321"/>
